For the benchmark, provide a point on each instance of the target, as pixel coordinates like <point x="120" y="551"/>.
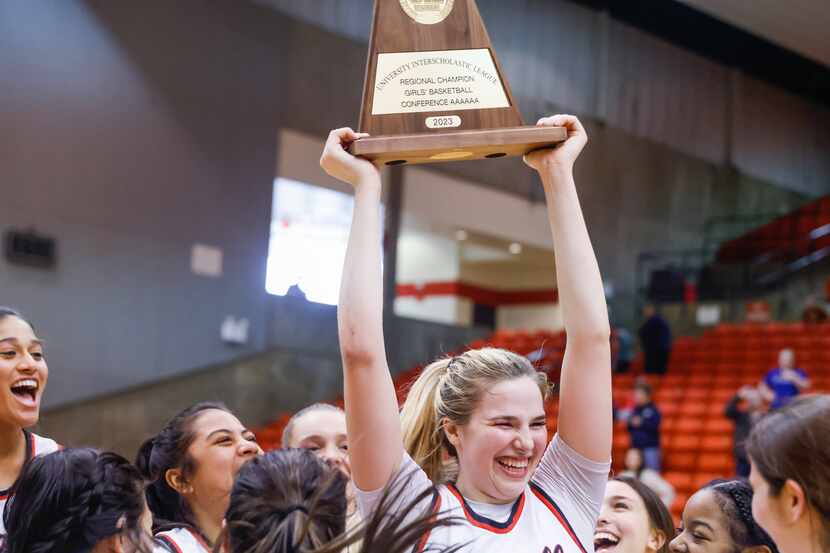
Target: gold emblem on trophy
<point x="427" y="12"/>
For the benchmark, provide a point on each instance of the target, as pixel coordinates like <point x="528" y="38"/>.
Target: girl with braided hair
<point x="718" y="519"/>
<point x="789" y="452"/>
<point x="24" y="373"/>
<point x="78" y="501"/>
<point x="474" y="425"/>
<point x="190" y="466"/>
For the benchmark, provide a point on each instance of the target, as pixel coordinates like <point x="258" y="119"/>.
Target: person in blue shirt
<point x="783" y="383"/>
<point x="644" y="426"/>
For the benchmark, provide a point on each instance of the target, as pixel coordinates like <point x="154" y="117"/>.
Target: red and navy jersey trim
<point x="434" y="508"/>
<point x="488" y="524"/>
<point x="171" y="544"/>
<point x="168" y="543"/>
<point x="557" y="512"/>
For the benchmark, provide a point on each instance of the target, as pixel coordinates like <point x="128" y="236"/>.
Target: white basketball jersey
<point x="535" y="525"/>
<point x="35" y="445"/>
<point x="180" y="540"/>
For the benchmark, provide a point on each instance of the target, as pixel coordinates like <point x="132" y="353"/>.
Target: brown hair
<point x="286" y="500"/>
<point x="792" y="444"/>
<point x="450" y="389"/>
<point x="659" y="518"/>
<point x="289" y="501"/>
<point x="644" y="386"/>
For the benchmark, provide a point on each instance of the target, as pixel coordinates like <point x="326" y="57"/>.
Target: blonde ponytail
<point x="423" y="437"/>
<point x="450" y="389"/>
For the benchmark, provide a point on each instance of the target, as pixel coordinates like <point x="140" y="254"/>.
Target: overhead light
<point x="461" y="235"/>
<point x="515" y="248"/>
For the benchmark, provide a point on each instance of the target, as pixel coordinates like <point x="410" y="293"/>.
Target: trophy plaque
<point x="435" y="91"/>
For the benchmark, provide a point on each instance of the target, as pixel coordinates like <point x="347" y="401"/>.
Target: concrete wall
<point x="131" y="132"/>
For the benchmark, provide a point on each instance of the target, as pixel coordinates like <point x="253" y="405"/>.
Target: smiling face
<point x="23" y="372"/>
<point x="221" y="445"/>
<point x="323" y="431"/>
<point x="499" y="448"/>
<point x="705" y="528"/>
<point x="624" y="525"/>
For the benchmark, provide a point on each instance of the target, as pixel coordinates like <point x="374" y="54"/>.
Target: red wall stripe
<point x="478" y="294"/>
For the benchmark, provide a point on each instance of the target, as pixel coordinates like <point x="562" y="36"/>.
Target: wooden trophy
<point x="434" y="89"/>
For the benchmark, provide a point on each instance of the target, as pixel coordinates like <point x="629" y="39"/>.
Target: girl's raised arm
<point x="375" y="444"/>
<point x="585" y="420"/>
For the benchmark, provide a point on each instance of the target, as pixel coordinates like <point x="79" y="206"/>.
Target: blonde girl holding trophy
<point x="474" y="424"/>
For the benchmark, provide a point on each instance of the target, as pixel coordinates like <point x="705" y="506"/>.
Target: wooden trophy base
<point x="411" y="149"/>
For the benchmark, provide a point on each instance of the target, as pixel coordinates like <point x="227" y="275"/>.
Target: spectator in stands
<point x="632" y="519"/>
<point x="190" y="466"/>
<point x="287" y="501"/>
<point x="718" y="518"/>
<point x="744" y="409"/>
<point x="790" y="455"/>
<point x="79" y="500"/>
<point x="24" y="372"/>
<point x="813" y="312"/>
<point x="625" y="349"/>
<point x="644" y="425"/>
<point x="784" y="382"/>
<point x="635" y="468"/>
<point x="656" y="340"/>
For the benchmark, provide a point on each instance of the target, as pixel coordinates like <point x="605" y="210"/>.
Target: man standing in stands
<point x="783" y="383"/>
<point x="644" y="425"/>
<point x="744" y="409"/>
<point x="655" y="339"/>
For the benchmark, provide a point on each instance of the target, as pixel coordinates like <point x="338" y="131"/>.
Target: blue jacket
<point x="648" y="433"/>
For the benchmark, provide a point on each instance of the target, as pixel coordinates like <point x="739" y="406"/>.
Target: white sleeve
<point x="576" y="483"/>
<point x="410" y="481"/>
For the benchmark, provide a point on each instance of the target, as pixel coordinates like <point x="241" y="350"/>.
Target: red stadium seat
<point x="680" y="461"/>
<point x="682" y="481"/>
<point x="716" y="462"/>
<point x="683" y="442"/>
<point x="716" y="444"/>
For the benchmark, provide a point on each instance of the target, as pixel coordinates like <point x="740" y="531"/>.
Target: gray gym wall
<point x="133" y="130"/>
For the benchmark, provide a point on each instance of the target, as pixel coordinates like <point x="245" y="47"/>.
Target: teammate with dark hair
<point x="78" y="501"/>
<point x="190" y="466"/>
<point x="718" y="518"/>
<point x="23" y="374"/>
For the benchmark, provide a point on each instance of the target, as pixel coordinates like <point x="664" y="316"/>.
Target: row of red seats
<point x="697" y="438"/>
<point x="791" y="231"/>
